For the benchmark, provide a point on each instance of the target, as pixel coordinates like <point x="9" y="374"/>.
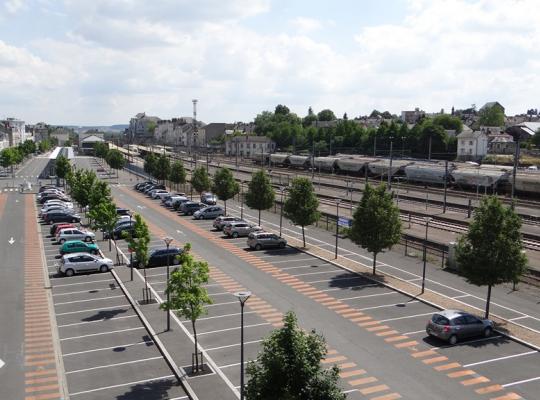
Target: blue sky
<point x="103" y="61"/>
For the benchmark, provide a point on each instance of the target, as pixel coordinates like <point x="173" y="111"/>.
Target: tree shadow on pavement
<point x="154" y="390"/>
<point x="474" y="342"/>
<point x="104" y="315"/>
<point x="347" y="280"/>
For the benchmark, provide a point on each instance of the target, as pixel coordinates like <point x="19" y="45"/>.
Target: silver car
<point x="70" y="264"/>
<point x="208" y="212"/>
<point x="260" y="240"/>
<point x="451" y="325"/>
<point x="74" y="234"/>
<point x="222" y="221"/>
<point x="237" y="229"/>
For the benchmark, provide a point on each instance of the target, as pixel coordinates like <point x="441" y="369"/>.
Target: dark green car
<point x="78" y="246"/>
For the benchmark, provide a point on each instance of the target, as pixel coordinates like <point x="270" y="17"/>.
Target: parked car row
<point x="78" y="252"/>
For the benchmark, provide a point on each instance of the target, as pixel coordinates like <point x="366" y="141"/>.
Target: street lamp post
<point x="337" y="226"/>
<point x="282" y="190"/>
<point x="390" y="165"/>
<point x="130" y="251"/>
<point x="168" y="241"/>
<point x="425" y="255"/>
<point x="242" y="199"/>
<point x="243" y="297"/>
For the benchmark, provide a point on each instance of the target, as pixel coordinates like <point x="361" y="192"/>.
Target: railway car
<point x="354" y="165"/>
<point x="298" y="161"/>
<point x="327" y="164"/>
<point x="528" y="182"/>
<point x="478" y="177"/>
<point x="429" y="173"/>
<point x="279" y="159"/>
<point x="381" y="167"/>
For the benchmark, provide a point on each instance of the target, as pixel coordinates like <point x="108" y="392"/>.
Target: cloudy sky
<point x="102" y="61"/>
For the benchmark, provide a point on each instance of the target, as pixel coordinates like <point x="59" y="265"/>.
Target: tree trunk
<point x="110" y="242"/>
<point x="488" y="300"/>
<point x="259" y="217"/>
<point x="374" y="262"/>
<point x="196" y="346"/>
<point x="225" y="202"/>
<point x="303" y="236"/>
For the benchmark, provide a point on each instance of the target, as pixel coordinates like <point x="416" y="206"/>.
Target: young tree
<point x="376" y="224"/>
<point x="163" y="168"/>
<point x="101" y="149"/>
<point x="138" y="243"/>
<point x="99" y="192"/>
<point x="225" y="186"/>
<point x="200" y="181"/>
<point x="104" y="217"/>
<point x="62" y="167"/>
<point x="115" y="159"/>
<point x="289" y="367"/>
<point x="491" y="252"/>
<point x="82" y="183"/>
<point x="302" y="205"/>
<point x="187" y="294"/>
<point x="491" y="116"/>
<point x="260" y="194"/>
<point x="8" y="158"/>
<point x="178" y="173"/>
<point x="150" y="164"/>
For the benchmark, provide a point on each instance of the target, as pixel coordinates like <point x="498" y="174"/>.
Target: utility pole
<point x="390" y="166"/>
<point x="514" y="171"/>
<point x="193" y="133"/>
<point x="445" y="184"/>
<point x="429" y="149"/>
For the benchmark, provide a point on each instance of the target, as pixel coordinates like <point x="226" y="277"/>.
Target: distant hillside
<point x="112" y="128"/>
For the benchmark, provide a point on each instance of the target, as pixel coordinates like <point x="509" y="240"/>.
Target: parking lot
<point x="106" y="351"/>
<point x="494" y="366"/>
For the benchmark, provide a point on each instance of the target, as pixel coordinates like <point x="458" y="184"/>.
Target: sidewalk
<point x="178" y="342"/>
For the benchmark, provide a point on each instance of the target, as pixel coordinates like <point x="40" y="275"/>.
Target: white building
<point x="472" y="145"/>
<point x="175" y="132"/>
<point x="247" y="146"/>
<point x="15" y="129"/>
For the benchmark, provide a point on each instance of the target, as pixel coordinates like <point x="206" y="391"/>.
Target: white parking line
<point x="291" y="261"/>
<point x="517" y="318"/>
<point x="501" y="358"/>
<point x="520" y="382"/>
<point x="368" y="295"/>
<point x="91" y="291"/>
<point x="218" y="316"/>
<point x="222" y="304"/>
<point x="125" y="384"/>
<point x="79" y="283"/>
<point x="461" y="296"/>
<point x="102" y="333"/>
<point x="306" y="266"/>
<point x="232" y="329"/>
<point x="86" y="300"/>
<point x="233" y="365"/>
<point x="405" y="317"/>
<point x="334" y="271"/>
<point x="386" y="305"/>
<point x="94" y="309"/>
<point x="347" y="287"/>
<point x="109" y="348"/>
<point x="233" y="345"/>
<point x="415" y="332"/>
<point x="99" y="320"/>
<point x="342" y="279"/>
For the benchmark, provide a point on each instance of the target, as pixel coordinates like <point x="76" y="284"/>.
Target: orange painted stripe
<point x="368" y="323"/>
<point x="33" y="389"/>
<point x="489" y="389"/>
<point x="446" y="367"/>
<point x="331" y="302"/>
<point x="374" y="389"/>
<point x="355" y="372"/>
<point x="333" y="359"/>
<point x="362" y="381"/>
<point x="45" y="349"/>
<point x="474" y="381"/>
<point x="391" y="396"/>
<point x="377" y="328"/>
<point x="406" y="344"/>
<point x="396" y="338"/>
<point x="42" y="343"/>
<point x="40" y="363"/>
<point x="331" y="351"/>
<point x="41" y="380"/>
<point x="358" y="319"/>
<point x="459" y="374"/>
<point x="352" y="314"/>
<point x="346" y="311"/>
<point x="274" y="319"/>
<point x="338" y="306"/>
<point x="434" y="360"/>
<point x="319" y="296"/>
<point x="509" y="396"/>
<point x="38" y="356"/>
<point x="419" y="354"/>
<point x="46" y="396"/>
<point x="387" y="333"/>
<point x="347" y="365"/>
<point x="272" y="314"/>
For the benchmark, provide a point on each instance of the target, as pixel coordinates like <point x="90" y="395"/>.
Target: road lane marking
<point x="502" y="358"/>
<point x="233" y="345"/>
<point x="145" y="342"/>
<point x="86" y="300"/>
<point x="94" y="309"/>
<point x="99" y="320"/>
<point x="102" y="333"/>
<point x="126" y="384"/>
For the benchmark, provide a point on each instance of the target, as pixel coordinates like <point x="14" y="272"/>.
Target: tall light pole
<point x="514" y="171"/>
<point x="337" y="226"/>
<point x="427" y="219"/>
<point x="131" y="250"/>
<point x="402" y="146"/>
<point x="243" y="297"/>
<point x="282" y="190"/>
<point x="242" y="199"/>
<point x="168" y="241"/>
<point x="390" y="165"/>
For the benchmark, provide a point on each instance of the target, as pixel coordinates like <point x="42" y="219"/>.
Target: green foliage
<point x="163" y="167"/>
<point x="101" y="149"/>
<point x="309" y="118"/>
<point x="200" y="180"/>
<point x="99" y="192"/>
<point x="115" y="159"/>
<point x="491" y="252"/>
<point x="492" y="116"/>
<point x="62" y="167"/>
<point x="150" y="164"/>
<point x="302" y="205"/>
<point x="260" y="194"/>
<point x="139" y="241"/>
<point x="151" y="127"/>
<point x="178" y="173"/>
<point x="536" y="139"/>
<point x="448" y="122"/>
<point x="289" y="367"/>
<point x="225" y="186"/>
<point x="104" y="217"/>
<point x="8" y="157"/>
<point x="28" y="147"/>
<point x="82" y="183"/>
<point x="376" y="224"/>
<point x="282" y="110"/>
<point x="44" y="145"/>
<point x="326" y="115"/>
<point x="187" y="293"/>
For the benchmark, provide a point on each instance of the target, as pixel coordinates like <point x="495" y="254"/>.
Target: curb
<point x="181" y="376"/>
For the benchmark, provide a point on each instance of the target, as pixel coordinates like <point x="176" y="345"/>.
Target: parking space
<point x="107" y="352"/>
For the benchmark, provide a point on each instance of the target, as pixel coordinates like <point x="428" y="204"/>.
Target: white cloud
<point x="13" y="6"/>
<point x="306" y="25"/>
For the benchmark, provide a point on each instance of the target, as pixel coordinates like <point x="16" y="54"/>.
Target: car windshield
<point x="440" y="320"/>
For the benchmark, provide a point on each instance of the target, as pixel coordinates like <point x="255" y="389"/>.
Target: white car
<point x="160" y="195"/>
<point x="68" y="204"/>
<point x="71" y="264"/>
<point x="155" y="193"/>
<point x="74" y="234"/>
<point x="55" y="206"/>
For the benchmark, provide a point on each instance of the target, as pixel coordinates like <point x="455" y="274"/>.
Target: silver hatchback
<point x="240" y="228"/>
<point x="220" y="222"/>
<point x="260" y="240"/>
<point x="452" y="325"/>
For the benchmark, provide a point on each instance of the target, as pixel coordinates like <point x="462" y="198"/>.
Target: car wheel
<point x="69" y="272"/>
<point x="235" y="235"/>
<point x="62" y="241"/>
<point x="488" y="331"/>
<point x="282" y="245"/>
<point x="95" y="252"/>
<point x="452" y="340"/>
<point x="258" y="247"/>
<point x="88" y="239"/>
<point x="103" y="268"/>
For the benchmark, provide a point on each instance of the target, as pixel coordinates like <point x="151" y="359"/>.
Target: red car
<point x="60" y="226"/>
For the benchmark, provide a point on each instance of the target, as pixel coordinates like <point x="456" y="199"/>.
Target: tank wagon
<point x="435" y="173"/>
<point x="381" y="167"/>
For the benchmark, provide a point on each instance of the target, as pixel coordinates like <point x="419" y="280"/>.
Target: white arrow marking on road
<point x="141" y="207"/>
<point x="180" y="232"/>
<point x="2" y="363"/>
<point x="11" y="241"/>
